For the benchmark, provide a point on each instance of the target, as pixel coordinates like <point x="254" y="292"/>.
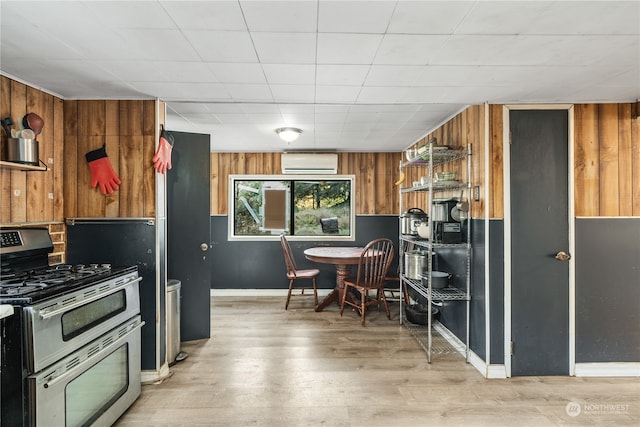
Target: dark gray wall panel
<point x="607" y="290"/>
<point x="260" y="264"/>
<point x="496" y="292"/>
<point x="477" y="330"/>
<point x="122" y="242"/>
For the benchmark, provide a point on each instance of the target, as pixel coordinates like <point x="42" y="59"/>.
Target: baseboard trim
<point x="496" y="372"/>
<point x="612" y="369"/>
<point x="259" y="292"/>
<point x="154" y="377"/>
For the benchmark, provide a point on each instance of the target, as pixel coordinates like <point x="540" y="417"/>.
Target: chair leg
<point x="286" y="306"/>
<point x="363" y="304"/>
<point x="342" y="300"/>
<point x="386" y="306"/>
<point x="315" y="290"/>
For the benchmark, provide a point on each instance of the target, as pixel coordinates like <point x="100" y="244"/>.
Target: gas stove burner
<point x="23" y="289"/>
<point x="81" y="268"/>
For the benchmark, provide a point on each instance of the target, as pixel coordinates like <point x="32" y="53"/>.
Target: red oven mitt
<point x="162" y="158"/>
<point x="101" y="171"/>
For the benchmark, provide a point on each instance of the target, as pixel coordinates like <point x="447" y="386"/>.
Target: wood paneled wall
<point x="128" y="128"/>
<point x="375" y="175"/>
<point x="607" y="160"/>
<point x="466" y="128"/>
<point x="33" y="196"/>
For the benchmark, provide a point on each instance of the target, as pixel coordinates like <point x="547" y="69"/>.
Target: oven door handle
<point x="91" y="359"/>
<point x="47" y="314"/>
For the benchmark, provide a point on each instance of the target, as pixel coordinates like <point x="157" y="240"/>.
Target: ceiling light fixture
<point x="288" y="134"/>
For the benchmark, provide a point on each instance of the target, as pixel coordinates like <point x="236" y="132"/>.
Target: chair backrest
<point x="375" y="260"/>
<point x="289" y="260"/>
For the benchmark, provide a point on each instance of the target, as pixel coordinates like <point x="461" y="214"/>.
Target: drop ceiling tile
<point x="500" y="50"/>
<point x="370" y="17"/>
<point x="72" y="70"/>
<point x="382" y="94"/>
<point x="509" y="18"/>
<point x="139" y="15"/>
<point x="428" y="17"/>
<point x="290" y="73"/>
<point x="285" y="48"/>
<point x="293" y="93"/>
<point x="297" y="108"/>
<point x="347" y="48"/>
<point x="331" y="108"/>
<point x="170" y="91"/>
<point x="237" y="72"/>
<point x="284" y="16"/>
<point x="206" y="15"/>
<point x="335" y="75"/>
<point x="361" y="117"/>
<point x="160" y="71"/>
<point x="222" y="46"/>
<point x="394" y="75"/>
<point x="588" y="17"/>
<point x="208" y="119"/>
<point x="249" y="92"/>
<point x="254" y="108"/>
<point x="408" y="49"/>
<point x="190" y="107"/>
<point x="149" y="44"/>
<point x="331" y="118"/>
<point x="337" y="94"/>
<point x="292" y="119"/>
<point x="232" y="118"/>
<point x="45" y="15"/>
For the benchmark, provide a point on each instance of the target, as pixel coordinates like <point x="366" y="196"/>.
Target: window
<point x="309" y="207"/>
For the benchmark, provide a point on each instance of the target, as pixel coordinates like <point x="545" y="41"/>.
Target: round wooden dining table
<point x="343" y="257"/>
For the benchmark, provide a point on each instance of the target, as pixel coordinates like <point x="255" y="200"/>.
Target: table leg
<point x="342" y="272"/>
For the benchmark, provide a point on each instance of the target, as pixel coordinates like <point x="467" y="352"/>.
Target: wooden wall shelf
<point x="13" y="165"/>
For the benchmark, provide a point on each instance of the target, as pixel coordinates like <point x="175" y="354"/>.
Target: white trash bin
<point x="173" y="322"/>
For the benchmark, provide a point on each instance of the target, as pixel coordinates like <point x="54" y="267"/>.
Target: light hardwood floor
<point x="264" y="366"/>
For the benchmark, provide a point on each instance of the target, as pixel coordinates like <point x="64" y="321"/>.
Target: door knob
<point x="563" y="256"/>
<point x="204" y="247"/>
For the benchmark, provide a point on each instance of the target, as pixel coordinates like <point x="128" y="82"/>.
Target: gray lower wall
<point x="496" y="292"/>
<point x="260" y="264"/>
<point x="607" y="258"/>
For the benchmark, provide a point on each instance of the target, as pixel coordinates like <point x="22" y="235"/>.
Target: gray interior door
<point x="189" y="231"/>
<point x="539" y="230"/>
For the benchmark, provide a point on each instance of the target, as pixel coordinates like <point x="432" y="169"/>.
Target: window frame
<point x="231" y="207"/>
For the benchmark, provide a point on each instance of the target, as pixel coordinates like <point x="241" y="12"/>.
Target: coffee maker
<point x="447" y="224"/>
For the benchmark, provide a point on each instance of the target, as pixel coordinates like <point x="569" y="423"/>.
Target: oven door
<point x="64" y="324"/>
<point x="94" y="385"/>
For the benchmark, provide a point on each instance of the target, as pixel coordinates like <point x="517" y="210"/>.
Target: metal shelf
<point x="439" y="345"/>
<point x="429" y="339"/>
<point x="439" y="157"/>
<point x="441" y="186"/>
<point x="425" y="243"/>
<point x="444" y="294"/>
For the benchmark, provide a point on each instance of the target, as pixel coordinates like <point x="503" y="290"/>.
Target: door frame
<point x="507" y="226"/>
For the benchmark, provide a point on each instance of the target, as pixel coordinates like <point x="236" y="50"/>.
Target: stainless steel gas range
<point x="71" y="351"/>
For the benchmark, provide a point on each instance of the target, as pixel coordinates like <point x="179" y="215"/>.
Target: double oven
<point x="70" y="353"/>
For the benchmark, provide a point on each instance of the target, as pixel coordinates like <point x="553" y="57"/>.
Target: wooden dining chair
<point x="293" y="273"/>
<point x="373" y="267"/>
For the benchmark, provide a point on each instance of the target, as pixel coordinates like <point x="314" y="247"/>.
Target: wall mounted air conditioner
<point x="309" y="163"/>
